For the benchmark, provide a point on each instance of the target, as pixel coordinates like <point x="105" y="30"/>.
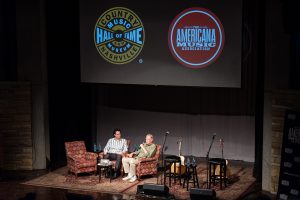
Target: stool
<point x="190" y="173"/>
<point x="213" y="163"/>
<point x="168" y="162"/>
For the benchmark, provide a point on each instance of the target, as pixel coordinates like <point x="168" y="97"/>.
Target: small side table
<point x="190" y="173"/>
<point x="105" y="168"/>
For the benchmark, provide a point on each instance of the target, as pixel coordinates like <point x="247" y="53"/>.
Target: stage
<point x="58" y="183"/>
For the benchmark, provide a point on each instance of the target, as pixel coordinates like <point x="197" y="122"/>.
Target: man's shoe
<point x="127" y="177"/>
<point x="133" y="179"/>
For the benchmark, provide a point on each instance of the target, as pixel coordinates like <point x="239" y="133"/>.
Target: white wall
<point x="195" y="130"/>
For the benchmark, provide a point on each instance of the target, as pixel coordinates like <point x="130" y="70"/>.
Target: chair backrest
<point x="75" y="148"/>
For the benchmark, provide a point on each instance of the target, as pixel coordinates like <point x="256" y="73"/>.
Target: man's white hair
<point x="150" y="135"/>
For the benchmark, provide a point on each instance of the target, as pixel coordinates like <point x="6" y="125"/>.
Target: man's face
<point x="117" y="135"/>
<point x="149" y="139"/>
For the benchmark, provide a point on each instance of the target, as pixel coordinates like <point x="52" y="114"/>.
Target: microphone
<point x="138" y="147"/>
<point x="214" y="135"/>
<point x="167" y="132"/>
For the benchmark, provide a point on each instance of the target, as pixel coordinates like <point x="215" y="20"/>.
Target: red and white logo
<point x="196" y="37"/>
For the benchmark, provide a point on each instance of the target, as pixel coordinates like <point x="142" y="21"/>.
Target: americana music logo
<point x="196" y="37"/>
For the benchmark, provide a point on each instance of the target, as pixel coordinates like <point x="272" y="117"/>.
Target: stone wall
<point x="15" y="126"/>
<point x="280" y="102"/>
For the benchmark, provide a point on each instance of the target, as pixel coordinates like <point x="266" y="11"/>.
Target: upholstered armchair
<point x="78" y="159"/>
<point x="148" y="166"/>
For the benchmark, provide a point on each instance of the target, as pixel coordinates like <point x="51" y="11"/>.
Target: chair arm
<point x="101" y="155"/>
<point x="90" y="156"/>
<point x="144" y="160"/>
<point x="71" y="159"/>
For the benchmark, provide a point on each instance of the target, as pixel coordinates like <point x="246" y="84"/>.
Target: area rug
<point x="86" y="182"/>
<point x="240" y="182"/>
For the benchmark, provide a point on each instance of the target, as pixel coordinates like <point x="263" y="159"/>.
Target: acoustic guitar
<point x="182" y="166"/>
<point x="217" y="171"/>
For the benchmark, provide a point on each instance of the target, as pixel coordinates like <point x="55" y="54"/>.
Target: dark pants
<point x="117" y="158"/>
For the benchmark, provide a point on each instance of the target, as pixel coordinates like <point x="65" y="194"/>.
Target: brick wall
<point x="15" y="126"/>
<point x="280" y="101"/>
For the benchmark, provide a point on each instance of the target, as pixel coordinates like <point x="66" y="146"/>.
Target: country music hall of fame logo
<point x="119" y="35"/>
<point x="196" y="37"/>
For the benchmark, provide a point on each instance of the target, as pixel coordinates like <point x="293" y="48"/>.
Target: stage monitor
<point x="203" y="194"/>
<point x="169" y="42"/>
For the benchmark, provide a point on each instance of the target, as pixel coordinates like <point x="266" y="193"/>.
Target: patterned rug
<point x="240" y="181"/>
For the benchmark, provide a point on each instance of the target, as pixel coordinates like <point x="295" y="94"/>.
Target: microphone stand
<point x="207" y="160"/>
<point x="162" y="168"/>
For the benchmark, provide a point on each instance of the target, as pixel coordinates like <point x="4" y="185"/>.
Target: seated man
<point x="115" y="149"/>
<point x="147" y="150"/>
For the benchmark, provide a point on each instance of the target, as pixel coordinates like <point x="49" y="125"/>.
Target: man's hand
<point x="130" y="155"/>
<point x="104" y="152"/>
<point x="142" y="146"/>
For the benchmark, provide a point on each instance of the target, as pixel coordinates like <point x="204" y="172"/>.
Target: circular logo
<point x="196" y="37"/>
<point x="119" y="35"/>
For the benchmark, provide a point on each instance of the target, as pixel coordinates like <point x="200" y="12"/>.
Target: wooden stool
<point x="168" y="162"/>
<point x="213" y="163"/>
<point x="190" y="173"/>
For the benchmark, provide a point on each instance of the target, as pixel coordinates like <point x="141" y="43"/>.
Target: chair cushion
<point x="85" y="163"/>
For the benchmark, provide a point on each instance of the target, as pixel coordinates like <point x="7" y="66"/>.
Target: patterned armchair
<point x="148" y="166"/>
<point x="78" y="159"/>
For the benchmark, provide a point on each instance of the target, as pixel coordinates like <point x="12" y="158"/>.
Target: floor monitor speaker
<point x="155" y="190"/>
<point x="203" y="194"/>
